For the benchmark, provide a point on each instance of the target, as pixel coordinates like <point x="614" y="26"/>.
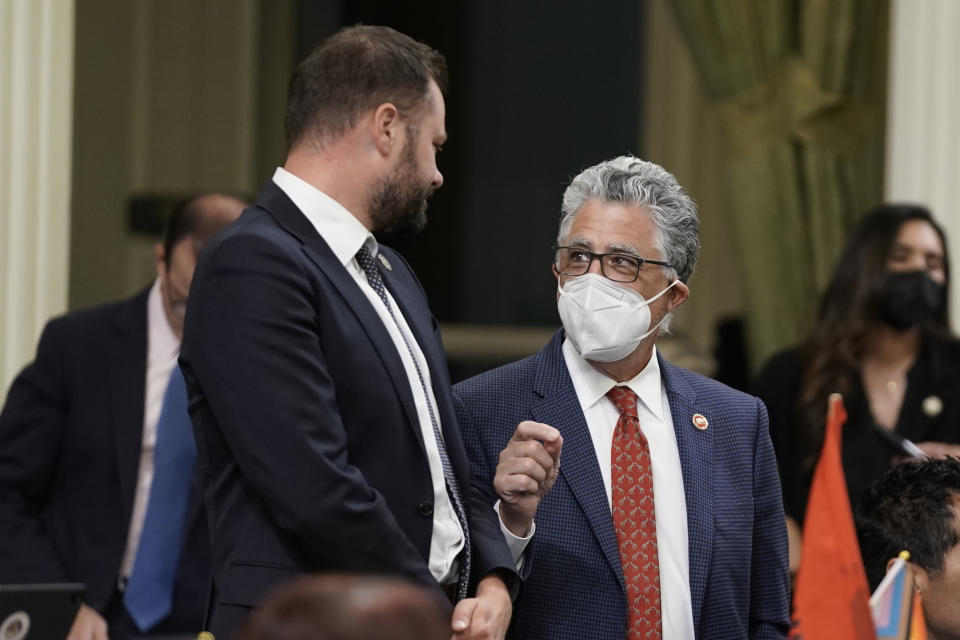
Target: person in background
<point x="881" y="339"/>
<point x="79" y="456"/>
<point x="348" y="607"/>
<point x="655" y="489"/>
<point x="915" y="507"/>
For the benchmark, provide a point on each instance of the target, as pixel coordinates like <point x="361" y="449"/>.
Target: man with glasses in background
<point x="665" y="518"/>
<point x="97" y="482"/>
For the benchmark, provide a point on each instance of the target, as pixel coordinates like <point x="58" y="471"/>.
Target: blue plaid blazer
<point x="573" y="583"/>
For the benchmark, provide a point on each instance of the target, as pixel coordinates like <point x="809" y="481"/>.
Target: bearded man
<point x="318" y="386"/>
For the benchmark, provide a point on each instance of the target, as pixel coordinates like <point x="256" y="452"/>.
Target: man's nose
<point x="595" y="266"/>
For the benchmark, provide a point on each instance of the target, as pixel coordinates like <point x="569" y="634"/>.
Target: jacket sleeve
<point x="483" y="464"/>
<point x="770" y="576"/>
<point x="31" y="430"/>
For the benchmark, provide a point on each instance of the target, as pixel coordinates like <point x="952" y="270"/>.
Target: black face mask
<point x="909" y="299"/>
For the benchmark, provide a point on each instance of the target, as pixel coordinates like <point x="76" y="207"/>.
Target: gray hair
<point x="632" y="181"/>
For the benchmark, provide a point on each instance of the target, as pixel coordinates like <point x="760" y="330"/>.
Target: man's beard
<point x="398" y="205"/>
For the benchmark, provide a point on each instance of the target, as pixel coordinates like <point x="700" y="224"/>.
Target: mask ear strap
<point x="654" y="328"/>
<point x="667" y="288"/>
<point x="657" y="326"/>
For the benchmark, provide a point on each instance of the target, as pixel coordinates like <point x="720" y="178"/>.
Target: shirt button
<point x="425" y="509"/>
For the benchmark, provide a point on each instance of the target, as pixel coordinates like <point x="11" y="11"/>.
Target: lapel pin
<point x="700" y="421"/>
<point x="932" y="406"/>
<point x="383" y="260"/>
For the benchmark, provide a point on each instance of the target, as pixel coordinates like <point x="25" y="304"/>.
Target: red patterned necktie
<point x="633" y="518"/>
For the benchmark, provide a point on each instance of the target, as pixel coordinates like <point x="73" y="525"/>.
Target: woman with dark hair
<point x="882" y="339"/>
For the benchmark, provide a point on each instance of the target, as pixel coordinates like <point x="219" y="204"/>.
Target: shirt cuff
<point x="515" y="543"/>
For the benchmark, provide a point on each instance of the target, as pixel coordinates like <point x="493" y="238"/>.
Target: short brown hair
<point x="350" y="607"/>
<point x="355" y="70"/>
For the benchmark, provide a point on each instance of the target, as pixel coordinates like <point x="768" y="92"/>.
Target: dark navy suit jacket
<point x="70" y="439"/>
<point x="739" y="579"/>
<point x="306" y="426"/>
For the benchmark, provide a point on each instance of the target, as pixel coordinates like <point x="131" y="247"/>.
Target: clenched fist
<point x="527" y="470"/>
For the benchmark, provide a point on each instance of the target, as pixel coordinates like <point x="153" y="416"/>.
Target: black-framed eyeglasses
<point x="619" y="267"/>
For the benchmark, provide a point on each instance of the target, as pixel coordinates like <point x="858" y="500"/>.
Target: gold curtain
<point x="801" y="89"/>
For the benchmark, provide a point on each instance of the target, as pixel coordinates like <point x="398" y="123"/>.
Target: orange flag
<point x="831" y="597"/>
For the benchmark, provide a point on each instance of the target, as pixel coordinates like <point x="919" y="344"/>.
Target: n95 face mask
<point x="605" y="321"/>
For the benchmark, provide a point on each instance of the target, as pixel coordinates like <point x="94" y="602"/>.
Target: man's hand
<point x="527" y="470"/>
<point x="88" y="625"/>
<point x="485" y="617"/>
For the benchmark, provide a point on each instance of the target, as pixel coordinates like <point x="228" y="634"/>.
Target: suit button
<point x="425" y="509"/>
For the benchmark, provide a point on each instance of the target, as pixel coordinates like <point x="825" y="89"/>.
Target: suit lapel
<point x="559" y="407"/>
<point x="277" y="204"/>
<point x="404" y="292"/>
<point x="323" y="257"/>
<point x="127" y="358"/>
<point x="696" y="461"/>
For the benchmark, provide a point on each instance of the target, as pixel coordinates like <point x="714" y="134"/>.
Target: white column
<point x="923" y="130"/>
<point x="36" y="96"/>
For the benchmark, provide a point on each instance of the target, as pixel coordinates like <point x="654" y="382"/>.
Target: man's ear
<point x="386" y="128"/>
<point x="921" y="578"/>
<point x="678" y="294"/>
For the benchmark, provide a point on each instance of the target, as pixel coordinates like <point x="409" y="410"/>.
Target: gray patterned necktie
<point x="369" y="266"/>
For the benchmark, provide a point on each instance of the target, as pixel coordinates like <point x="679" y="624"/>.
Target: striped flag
<point x="895" y="605"/>
<point x="891" y="603"/>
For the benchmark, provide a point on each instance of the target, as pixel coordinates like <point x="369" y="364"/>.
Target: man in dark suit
<point x="77" y="437"/>
<point x="321" y="405"/>
<point x="665" y="517"/>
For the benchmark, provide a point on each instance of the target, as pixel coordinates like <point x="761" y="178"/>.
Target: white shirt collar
<point x="161" y="337"/>
<point x="339" y="228"/>
<point x="591" y="385"/>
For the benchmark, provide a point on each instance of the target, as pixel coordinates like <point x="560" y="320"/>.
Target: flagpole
<point x="889" y="577"/>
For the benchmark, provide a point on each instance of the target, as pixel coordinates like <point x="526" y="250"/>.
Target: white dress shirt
<point x="163" y="347"/>
<point x="653" y="412"/>
<point x="345" y="234"/>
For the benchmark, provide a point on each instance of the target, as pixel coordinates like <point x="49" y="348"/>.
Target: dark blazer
<point x="739" y="580"/>
<point x="930" y="412"/>
<point x="70" y="439"/>
<point x="306" y="426"/>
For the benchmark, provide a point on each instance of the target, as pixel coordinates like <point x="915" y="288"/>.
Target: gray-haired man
<point x="665" y="519"/>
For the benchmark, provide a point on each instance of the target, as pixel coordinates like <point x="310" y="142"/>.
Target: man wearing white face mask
<point x="665" y="519"/>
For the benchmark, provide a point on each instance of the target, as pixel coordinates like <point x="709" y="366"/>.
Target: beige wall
<point x="101" y="164"/>
<point x="169" y="99"/>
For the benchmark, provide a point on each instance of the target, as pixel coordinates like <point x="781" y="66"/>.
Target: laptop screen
<point x="38" y="611"/>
